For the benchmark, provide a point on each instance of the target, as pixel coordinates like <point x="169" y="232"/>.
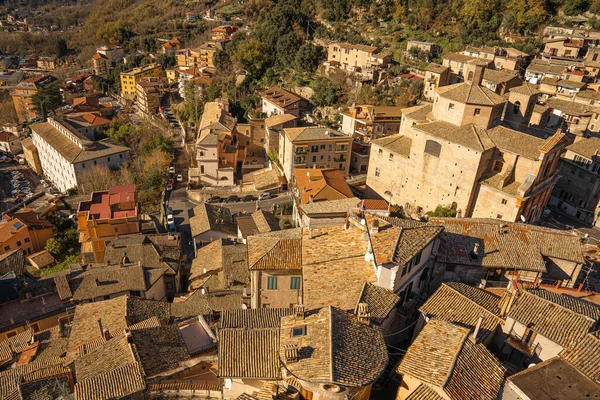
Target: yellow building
<point x="130" y="78"/>
<point x="46" y="63"/>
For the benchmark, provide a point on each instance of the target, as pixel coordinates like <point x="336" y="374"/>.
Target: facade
<point x="24" y="230"/>
<point x="487" y="168"/>
<point x="106" y="215"/>
<point x="32" y="157"/>
<point x="576" y="193"/>
<point x="273" y="126"/>
<point x="314" y="147"/>
<point x="46" y="63"/>
<point x="365" y="123"/>
<point x="435" y="76"/>
<point x="563" y="48"/>
<point x="23" y="94"/>
<point x="65" y="153"/>
<point x="365" y="61"/>
<point x="276" y="101"/>
<point x="210" y="223"/>
<point x="129" y="79"/>
<point x="223" y="32"/>
<point x="148" y="93"/>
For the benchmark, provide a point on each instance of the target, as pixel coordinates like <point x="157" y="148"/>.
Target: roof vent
<point x="291" y="353"/>
<point x="363" y="315"/>
<point x="474" y="255"/>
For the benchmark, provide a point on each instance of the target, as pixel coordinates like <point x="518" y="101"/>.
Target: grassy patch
<point x="61" y="266"/>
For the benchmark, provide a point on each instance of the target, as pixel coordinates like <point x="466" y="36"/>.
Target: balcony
<point x="341" y="149"/>
<point x="519" y="343"/>
<point x="301" y="150"/>
<point x="341" y="158"/>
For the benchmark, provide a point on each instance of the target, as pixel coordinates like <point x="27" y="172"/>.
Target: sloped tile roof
<point x="119" y="382"/>
<point x="462" y="305"/>
<point x="260" y="318"/>
<point x="152" y="251"/>
<point x="517" y="246"/>
<point x="336" y="348"/>
<point x="430" y="358"/>
<point x="159" y="348"/>
<point x="444" y="356"/>
<point x="380" y="300"/>
<point x="585" y="356"/>
<point x="418" y="113"/>
<point x="574" y="304"/>
<point x="470" y="93"/>
<point x="423" y="392"/>
<point x="556" y="322"/>
<point x="204" y="304"/>
<point x="105" y="281"/>
<point x="13" y="261"/>
<point x="498" y="77"/>
<point x="398" y="144"/>
<point x="225" y="260"/>
<point x="274" y="252"/>
<point x="45" y="389"/>
<point x="477" y="374"/>
<point x="208" y="217"/>
<point x="585" y="147"/>
<point x="339" y="255"/>
<point x="470" y="135"/>
<point x="249" y="353"/>
<point x="279" y="119"/>
<point x="516" y="142"/>
<point x="321" y="184"/>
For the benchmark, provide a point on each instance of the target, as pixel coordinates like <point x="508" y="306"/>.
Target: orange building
<point x="106" y="215"/>
<point x="24" y="230"/>
<point x="23" y="94"/>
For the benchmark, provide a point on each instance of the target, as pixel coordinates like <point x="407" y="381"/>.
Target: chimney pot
<point x="477" y="327"/>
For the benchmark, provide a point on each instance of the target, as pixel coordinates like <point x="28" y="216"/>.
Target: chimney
<point x="363" y="314"/>
<point x="106" y="334"/>
<point x="299" y="311"/>
<point x="477" y="327"/>
<point x="291" y="353"/>
<point x="375" y="227"/>
<point x="97" y="282"/>
<point x="474" y="255"/>
<point x="100" y="326"/>
<point x="478" y="74"/>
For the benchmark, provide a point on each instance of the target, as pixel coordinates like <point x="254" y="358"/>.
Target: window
<point x="322" y="147"/>
<point x="433" y="148"/>
<point x="6" y="248"/>
<point x="581" y="174"/>
<point x="108" y="159"/>
<point x="272" y="283"/>
<point x="314" y="149"/>
<point x="477" y="111"/>
<point x="391" y="156"/>
<point x="27" y="240"/>
<point x="295" y="283"/>
<point x="377" y="171"/>
<point x="498" y="216"/>
<point x="83" y="165"/>
<point x="470" y="76"/>
<point x="120" y="155"/>
<point x="572" y="171"/>
<point x="516" y="107"/>
<point x="18" y="242"/>
<point x="299" y="331"/>
<point x="498" y="166"/>
<point x="450" y="106"/>
<point x="11" y="334"/>
<point x="169" y="285"/>
<point x="95" y="162"/>
<point x="380" y="151"/>
<point x="88" y="257"/>
<point x="314" y="159"/>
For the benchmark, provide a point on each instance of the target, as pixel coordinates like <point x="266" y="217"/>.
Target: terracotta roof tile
<point x="275" y="251"/>
<point x="208" y="217"/>
<point x="249" y="353"/>
<point x="470" y="135"/>
<point x="398" y="144"/>
<point x="585" y="356"/>
<point x="423" y="392"/>
<point x="380" y="301"/>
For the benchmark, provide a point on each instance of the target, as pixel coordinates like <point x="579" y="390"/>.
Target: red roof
<point x="102" y="205"/>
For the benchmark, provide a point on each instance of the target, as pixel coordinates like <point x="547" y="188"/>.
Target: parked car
<point x="171" y="181"/>
<point x="170" y="219"/>
<point x="248" y="197"/>
<point x="215" y="199"/>
<point x="264" y="196"/>
<point x="170" y="210"/>
<point x="179" y="178"/>
<point x="232" y="199"/>
<point x="169" y="187"/>
<point x="171" y="170"/>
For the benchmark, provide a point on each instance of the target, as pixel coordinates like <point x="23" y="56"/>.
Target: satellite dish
<point x="522" y="218"/>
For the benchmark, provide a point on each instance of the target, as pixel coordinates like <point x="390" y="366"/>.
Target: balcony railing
<point x="302" y="150"/>
<point x="340" y="149"/>
<point x="519" y="343"/>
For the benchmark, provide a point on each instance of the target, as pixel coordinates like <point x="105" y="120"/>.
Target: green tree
<point x="442" y="211"/>
<point x="55" y="247"/>
<point x="307" y="58"/>
<point x="325" y="93"/>
<point x="251" y="56"/>
<point x="120" y="132"/>
<point x="61" y="48"/>
<point x="47" y="100"/>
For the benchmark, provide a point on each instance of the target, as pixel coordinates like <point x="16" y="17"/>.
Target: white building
<point x="65" y="153"/>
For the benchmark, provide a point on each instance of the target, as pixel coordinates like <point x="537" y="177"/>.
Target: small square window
<point x="504" y="201"/>
<point x="477" y="111"/>
<point x="299" y="331"/>
<point x="498" y="216"/>
<point x="272" y="282"/>
<point x="380" y="151"/>
<point x="18" y="242"/>
<point x="450" y="106"/>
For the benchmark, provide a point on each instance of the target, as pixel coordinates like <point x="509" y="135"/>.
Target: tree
<point x="55" y="247"/>
<point x="251" y="56"/>
<point x="47" y="100"/>
<point x="442" y="211"/>
<point x="61" y="48"/>
<point x="307" y="58"/>
<point x="325" y="93"/>
<point x="120" y="132"/>
<point x="97" y="178"/>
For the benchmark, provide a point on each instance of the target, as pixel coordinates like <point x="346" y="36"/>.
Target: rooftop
<point x="336" y="348"/>
<point x="470" y="93"/>
<point x="587" y="148"/>
<point x="280" y="97"/>
<point x="116" y="202"/>
<point x="469" y="135"/>
<point x="225" y="260"/>
<point x="398" y="144"/>
<point x="212" y="218"/>
<point x="315" y="185"/>
<point x="315" y="133"/>
<point x="276" y="250"/>
<point x="258" y="222"/>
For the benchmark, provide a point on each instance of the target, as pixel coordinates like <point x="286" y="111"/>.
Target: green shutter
<point x="295" y="283"/>
<point x="272" y="282"/>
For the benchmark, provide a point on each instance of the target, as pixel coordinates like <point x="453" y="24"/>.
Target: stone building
<point x="455" y="153"/>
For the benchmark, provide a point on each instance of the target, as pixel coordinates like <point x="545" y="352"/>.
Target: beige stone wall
<point x="549" y="349"/>
<point x="424" y="180"/>
<point x="348" y="57"/>
<point x="448" y="111"/>
<point x="283" y="296"/>
<point x="489" y="204"/>
<point x="333" y="153"/>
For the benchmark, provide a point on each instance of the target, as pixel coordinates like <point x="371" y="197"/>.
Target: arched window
<point x="454" y="206"/>
<point x="516" y="107"/>
<point x="470" y="76"/>
<point x="433" y="148"/>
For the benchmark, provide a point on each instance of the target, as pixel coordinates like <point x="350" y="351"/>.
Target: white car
<point x="264" y="196"/>
<point x="179" y="178"/>
<point x="170" y="219"/>
<point x="171" y="170"/>
<point x="169" y="187"/>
